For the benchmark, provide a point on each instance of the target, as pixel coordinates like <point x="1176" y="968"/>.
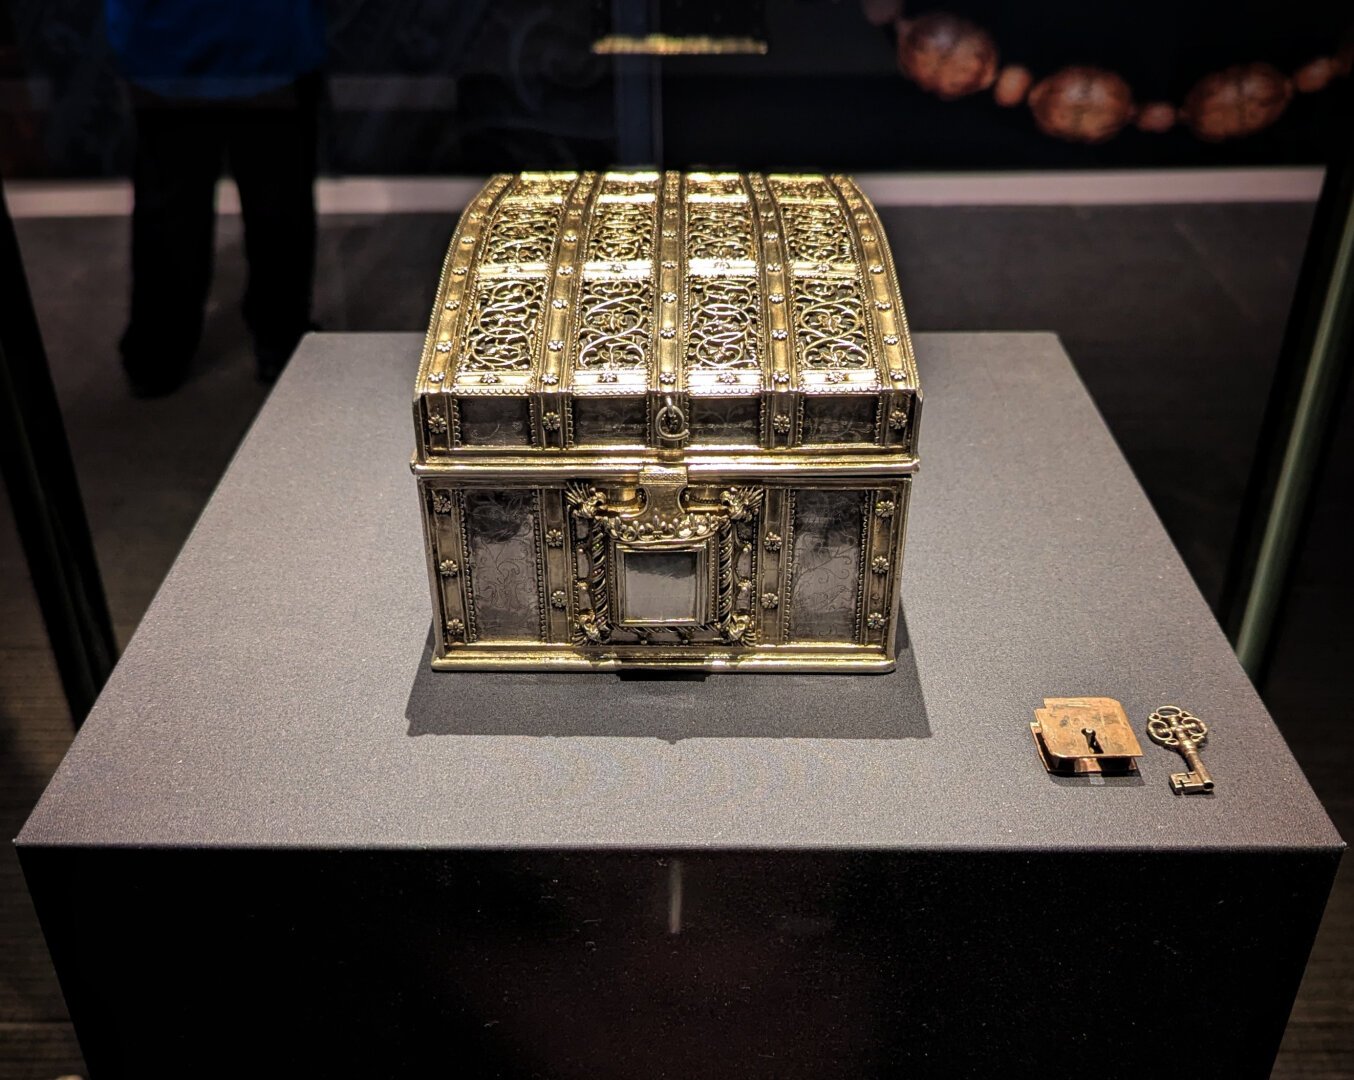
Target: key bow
<point x="1170" y="724"/>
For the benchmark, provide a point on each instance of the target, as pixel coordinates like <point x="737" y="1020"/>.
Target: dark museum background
<point x="525" y="92"/>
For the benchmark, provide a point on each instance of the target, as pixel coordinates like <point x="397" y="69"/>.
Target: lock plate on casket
<point x="669" y="420"/>
<point x="666" y="560"/>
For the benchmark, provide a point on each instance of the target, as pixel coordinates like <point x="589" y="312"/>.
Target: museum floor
<point x="1173" y="315"/>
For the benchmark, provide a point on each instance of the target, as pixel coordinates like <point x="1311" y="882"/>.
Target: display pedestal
<point x="280" y="841"/>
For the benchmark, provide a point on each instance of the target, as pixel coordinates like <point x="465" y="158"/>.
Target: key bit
<point x="1182" y="731"/>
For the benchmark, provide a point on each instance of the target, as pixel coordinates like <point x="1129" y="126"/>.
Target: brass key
<point x="1173" y="727"/>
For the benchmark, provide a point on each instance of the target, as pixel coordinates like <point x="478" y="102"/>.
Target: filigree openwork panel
<point x="720" y="231"/>
<point x="816" y="233"/>
<point x="501" y="332"/>
<point x="723" y="332"/>
<point x="615" y="324"/>
<point x="622" y="231"/>
<point x="830" y="327"/>
<point x="523" y="231"/>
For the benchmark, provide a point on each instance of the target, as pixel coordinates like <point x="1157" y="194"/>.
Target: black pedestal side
<point x="280" y="841"/>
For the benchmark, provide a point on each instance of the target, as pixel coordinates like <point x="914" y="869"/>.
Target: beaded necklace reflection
<point x="952" y="57"/>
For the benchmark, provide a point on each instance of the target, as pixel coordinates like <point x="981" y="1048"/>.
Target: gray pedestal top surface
<point x="277" y="692"/>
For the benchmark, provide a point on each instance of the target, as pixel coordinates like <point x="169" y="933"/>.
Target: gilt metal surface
<point x="698" y="382"/>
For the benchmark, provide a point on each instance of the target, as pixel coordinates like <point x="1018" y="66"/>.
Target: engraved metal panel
<point x="610" y="421"/>
<point x="826" y="570"/>
<point x="839" y="419"/>
<point x="500" y="532"/>
<point x="725" y="421"/>
<point x="494" y="421"/>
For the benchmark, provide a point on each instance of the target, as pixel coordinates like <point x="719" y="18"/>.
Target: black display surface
<point x="281" y="840"/>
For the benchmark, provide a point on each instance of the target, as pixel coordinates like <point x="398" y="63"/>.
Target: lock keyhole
<point x="1091" y="740"/>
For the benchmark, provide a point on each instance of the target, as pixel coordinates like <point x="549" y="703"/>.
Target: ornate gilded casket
<point x="666" y="420"/>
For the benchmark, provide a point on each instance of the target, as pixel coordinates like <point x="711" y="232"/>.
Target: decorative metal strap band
<point x="444" y="328"/>
<point x="553" y="372"/>
<point x="893" y="341"/>
<point x="506" y="297"/>
<point x="779" y="372"/>
<point x="670" y="314"/>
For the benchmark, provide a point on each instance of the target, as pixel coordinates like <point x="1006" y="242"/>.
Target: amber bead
<point x="947" y="55"/>
<point x="1012" y="85"/>
<point x="1156" y="117"/>
<point x="1237" y="101"/>
<point x="1082" y="104"/>
<point x="1314" y="76"/>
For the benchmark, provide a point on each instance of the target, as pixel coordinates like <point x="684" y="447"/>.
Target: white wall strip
<point x="383" y="195"/>
<point x="63" y="198"/>
<point x="448" y="194"/>
<point x="1117" y="188"/>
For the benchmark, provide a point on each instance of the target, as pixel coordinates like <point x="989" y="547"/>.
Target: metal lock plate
<point x="1088" y="735"/>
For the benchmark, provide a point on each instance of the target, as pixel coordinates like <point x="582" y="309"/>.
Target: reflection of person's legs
<point x="178" y="160"/>
<point x="271" y="146"/>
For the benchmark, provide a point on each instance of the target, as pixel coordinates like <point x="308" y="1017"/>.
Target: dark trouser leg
<point x="271" y="147"/>
<point x="178" y="160"/>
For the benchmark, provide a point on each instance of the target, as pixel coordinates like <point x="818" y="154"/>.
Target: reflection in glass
<point x="660" y="586"/>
